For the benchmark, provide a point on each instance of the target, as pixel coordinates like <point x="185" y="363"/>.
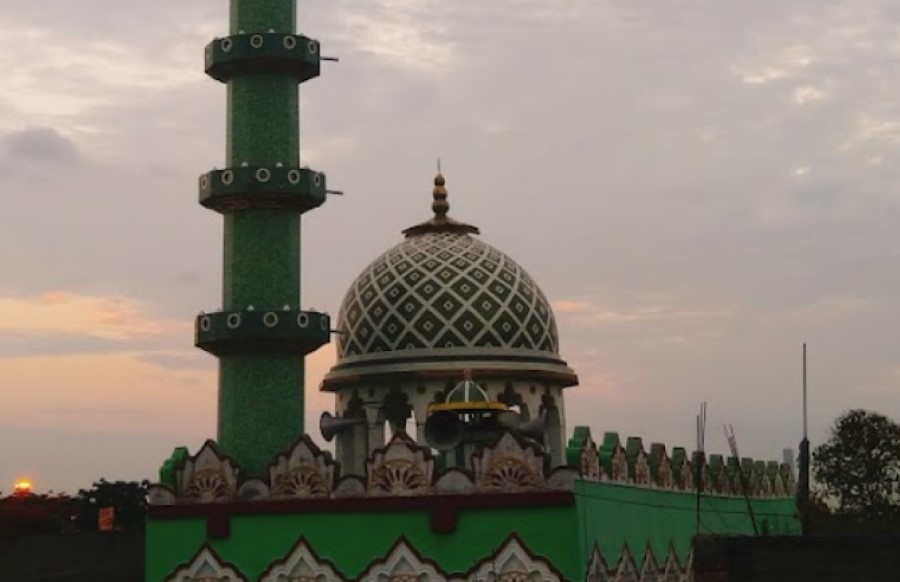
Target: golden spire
<point x="440" y="222"/>
<point x="440" y="204"/>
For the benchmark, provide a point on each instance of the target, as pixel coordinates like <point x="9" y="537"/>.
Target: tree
<point x="858" y="468"/>
<point x="30" y="513"/>
<point x="129" y="499"/>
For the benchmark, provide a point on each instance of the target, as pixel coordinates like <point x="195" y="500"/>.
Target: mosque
<point x="452" y="457"/>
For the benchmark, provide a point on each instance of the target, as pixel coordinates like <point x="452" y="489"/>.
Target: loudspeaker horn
<point x="534" y="428"/>
<point x="509" y="420"/>
<point x="444" y="430"/>
<point x="331" y="425"/>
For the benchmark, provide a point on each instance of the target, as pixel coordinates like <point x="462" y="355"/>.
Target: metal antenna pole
<point x="699" y="459"/>
<point x="732" y="444"/>
<point x="803" y="477"/>
<point x="805" y="426"/>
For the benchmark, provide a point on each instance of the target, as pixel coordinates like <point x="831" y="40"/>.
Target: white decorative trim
<point x="619" y="464"/>
<point x="305" y="472"/>
<point x="206" y="567"/>
<point x="664" y="477"/>
<point x="641" y="474"/>
<point x="672" y="570"/>
<point x="402" y="564"/>
<point x="208" y="476"/>
<point x="626" y="570"/>
<point x="160" y="495"/>
<point x="302" y="565"/>
<point x="590" y="460"/>
<point x="597" y="570"/>
<point x="650" y="571"/>
<point x="508" y="467"/>
<point x="513" y="563"/>
<point x="401" y="468"/>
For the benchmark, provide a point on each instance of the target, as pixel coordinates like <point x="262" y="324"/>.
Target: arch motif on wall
<point x="651" y="569"/>
<point x="400" y="468"/>
<point x="403" y="564"/>
<point x="508" y="466"/>
<point x="206" y="566"/>
<point x="597" y="570"/>
<point x="514" y="563"/>
<point x="673" y="571"/>
<point x="304" y="472"/>
<point x="208" y="477"/>
<point x="301" y="565"/>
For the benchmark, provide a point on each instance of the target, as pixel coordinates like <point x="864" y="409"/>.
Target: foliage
<point x="858" y="468"/>
<point x="129" y="498"/>
<point x="34" y="514"/>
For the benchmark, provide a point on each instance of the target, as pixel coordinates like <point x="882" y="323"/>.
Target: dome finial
<point x="440" y="206"/>
<point x="440" y="222"/>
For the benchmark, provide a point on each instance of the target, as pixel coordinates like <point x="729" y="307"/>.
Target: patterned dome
<point x="444" y="290"/>
<point x="444" y="295"/>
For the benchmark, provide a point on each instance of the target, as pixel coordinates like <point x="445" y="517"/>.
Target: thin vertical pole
<point x="805" y="426"/>
<point x="803" y="477"/>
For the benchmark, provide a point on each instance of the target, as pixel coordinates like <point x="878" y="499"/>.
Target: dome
<point x="443" y="294"/>
<point x="444" y="290"/>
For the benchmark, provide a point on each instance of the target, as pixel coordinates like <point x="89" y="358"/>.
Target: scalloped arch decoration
<point x="514" y="563"/>
<point x="403" y="564"/>
<point x="206" y="566"/>
<point x="302" y="565"/>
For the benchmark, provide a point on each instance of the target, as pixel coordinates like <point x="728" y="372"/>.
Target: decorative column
<point x="261" y="336"/>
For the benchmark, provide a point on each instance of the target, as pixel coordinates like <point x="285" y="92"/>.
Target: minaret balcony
<point x="263" y="53"/>
<point x="251" y="331"/>
<point x="248" y="187"/>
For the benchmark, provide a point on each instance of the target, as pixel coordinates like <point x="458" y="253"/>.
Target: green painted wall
<point x="353" y="540"/>
<point x="614" y="515"/>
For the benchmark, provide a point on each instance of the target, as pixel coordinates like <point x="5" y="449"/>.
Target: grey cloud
<point x="40" y="145"/>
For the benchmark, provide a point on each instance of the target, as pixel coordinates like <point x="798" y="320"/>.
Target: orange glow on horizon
<point x="22" y="487"/>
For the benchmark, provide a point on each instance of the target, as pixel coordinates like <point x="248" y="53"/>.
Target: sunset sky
<point x="698" y="186"/>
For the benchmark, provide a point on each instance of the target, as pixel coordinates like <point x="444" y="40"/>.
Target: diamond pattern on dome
<point x="444" y="290"/>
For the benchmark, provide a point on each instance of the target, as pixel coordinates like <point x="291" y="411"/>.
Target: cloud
<point x="76" y="75"/>
<point x="42" y="145"/>
<point x="590" y="312"/>
<point x="410" y="34"/>
<point x="101" y="317"/>
<point x="195" y="360"/>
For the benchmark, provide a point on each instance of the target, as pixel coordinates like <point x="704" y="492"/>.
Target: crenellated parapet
<point x="511" y="464"/>
<point x="632" y="464"/>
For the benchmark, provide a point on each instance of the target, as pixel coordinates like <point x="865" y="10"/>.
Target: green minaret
<point x="261" y="335"/>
